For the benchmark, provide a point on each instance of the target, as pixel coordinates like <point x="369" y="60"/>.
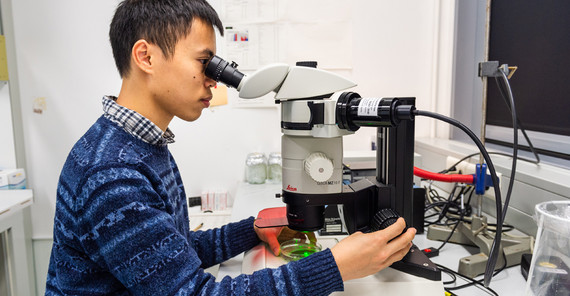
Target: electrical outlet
<point x="465" y="167"/>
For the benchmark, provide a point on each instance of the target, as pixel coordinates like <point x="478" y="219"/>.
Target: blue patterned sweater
<point x="121" y="228"/>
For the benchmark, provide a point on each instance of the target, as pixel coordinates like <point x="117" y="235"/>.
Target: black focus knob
<point x="383" y="219"/>
<point x="311" y="64"/>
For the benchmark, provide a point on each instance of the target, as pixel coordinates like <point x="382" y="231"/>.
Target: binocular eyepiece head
<point x="224" y="72"/>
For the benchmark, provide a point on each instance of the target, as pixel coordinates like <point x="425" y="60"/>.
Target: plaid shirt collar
<point x="135" y="124"/>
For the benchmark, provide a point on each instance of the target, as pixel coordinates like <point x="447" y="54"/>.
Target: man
<point x="121" y="224"/>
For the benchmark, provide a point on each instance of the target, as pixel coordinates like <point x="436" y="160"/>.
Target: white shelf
<point x="12" y="201"/>
<point x="208" y="220"/>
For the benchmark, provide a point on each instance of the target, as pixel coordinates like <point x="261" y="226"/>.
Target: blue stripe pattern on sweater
<point x="121" y="228"/>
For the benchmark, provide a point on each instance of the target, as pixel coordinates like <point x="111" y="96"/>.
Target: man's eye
<point x="204" y="63"/>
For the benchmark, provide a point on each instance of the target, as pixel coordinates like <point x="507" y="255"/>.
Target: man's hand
<point x="269" y="235"/>
<point x="274" y="236"/>
<point x="361" y="254"/>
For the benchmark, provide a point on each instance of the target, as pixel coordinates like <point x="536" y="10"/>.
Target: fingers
<point x="298" y="234"/>
<point x="375" y="252"/>
<point x="395" y="229"/>
<point x="407" y="236"/>
<point x="311" y="236"/>
<point x="269" y="235"/>
<point x="403" y="241"/>
<point x="397" y="256"/>
<point x="390" y="239"/>
<point x="288" y="234"/>
<point x="274" y="244"/>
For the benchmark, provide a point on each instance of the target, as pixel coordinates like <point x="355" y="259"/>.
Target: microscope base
<point x="418" y="264"/>
<point x="476" y="234"/>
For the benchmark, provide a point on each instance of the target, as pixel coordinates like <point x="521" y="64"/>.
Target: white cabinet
<point x="16" y="273"/>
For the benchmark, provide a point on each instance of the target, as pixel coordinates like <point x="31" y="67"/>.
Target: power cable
<point x="470" y="281"/>
<point x="519" y="124"/>
<point x="515" y="147"/>
<point x="496" y="241"/>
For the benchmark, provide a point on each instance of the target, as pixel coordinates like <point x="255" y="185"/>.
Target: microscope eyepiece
<point x="224" y="72"/>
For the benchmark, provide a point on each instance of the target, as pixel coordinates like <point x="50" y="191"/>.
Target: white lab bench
<point x="250" y="199"/>
<point x="16" y="274"/>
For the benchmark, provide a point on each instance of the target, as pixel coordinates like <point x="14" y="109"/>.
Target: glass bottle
<point x="274" y="167"/>
<point x="256" y="168"/>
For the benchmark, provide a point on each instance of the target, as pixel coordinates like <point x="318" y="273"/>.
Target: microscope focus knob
<point x="319" y="167"/>
<point x="383" y="219"/>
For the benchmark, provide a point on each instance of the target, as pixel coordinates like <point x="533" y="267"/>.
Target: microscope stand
<point x="476" y="234"/>
<point x="418" y="264"/>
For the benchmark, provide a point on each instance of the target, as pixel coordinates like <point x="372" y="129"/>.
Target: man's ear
<point x="141" y="56"/>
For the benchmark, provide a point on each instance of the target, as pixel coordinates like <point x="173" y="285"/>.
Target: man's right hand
<point x="363" y="254"/>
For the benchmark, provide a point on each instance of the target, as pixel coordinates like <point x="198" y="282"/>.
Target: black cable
<point x="475" y="282"/>
<point x="461" y="219"/>
<point x="428" y="223"/>
<point x="435" y="214"/>
<point x="504" y="265"/>
<point x="451" y="233"/>
<point x="446" y="206"/>
<point x="495" y="246"/>
<point x="466" y="278"/>
<point x="515" y="147"/>
<point x="452" y="276"/>
<point x="437" y="204"/>
<point x="519" y="124"/>
<point x="470" y="195"/>
<point x="462" y="211"/>
<point x="506" y="227"/>
<point x="451" y="168"/>
<point x="451" y="210"/>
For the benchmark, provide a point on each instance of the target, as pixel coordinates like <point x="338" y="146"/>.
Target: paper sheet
<point x="261" y="32"/>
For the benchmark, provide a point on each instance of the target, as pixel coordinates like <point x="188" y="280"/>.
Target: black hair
<point x="159" y="22"/>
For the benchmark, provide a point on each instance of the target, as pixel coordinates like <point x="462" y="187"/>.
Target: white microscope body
<point x="314" y="117"/>
<point x="311" y="147"/>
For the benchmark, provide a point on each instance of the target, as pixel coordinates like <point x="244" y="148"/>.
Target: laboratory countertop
<point x="250" y="199"/>
<point x="14" y="200"/>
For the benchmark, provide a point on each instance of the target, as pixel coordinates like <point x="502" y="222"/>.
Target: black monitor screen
<point x="534" y="36"/>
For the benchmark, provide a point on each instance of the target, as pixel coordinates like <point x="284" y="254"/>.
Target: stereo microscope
<point x="315" y="114"/>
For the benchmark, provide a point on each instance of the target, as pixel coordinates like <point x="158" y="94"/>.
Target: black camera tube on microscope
<point x="353" y="111"/>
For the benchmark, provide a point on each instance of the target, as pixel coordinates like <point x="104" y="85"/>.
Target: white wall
<point x="63" y="55"/>
<point x="7" y="148"/>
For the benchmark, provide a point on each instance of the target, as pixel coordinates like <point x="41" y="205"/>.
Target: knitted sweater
<point x="121" y="228"/>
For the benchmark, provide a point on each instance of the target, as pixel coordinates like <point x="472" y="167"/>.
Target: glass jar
<point x="274" y="167"/>
<point x="256" y="168"/>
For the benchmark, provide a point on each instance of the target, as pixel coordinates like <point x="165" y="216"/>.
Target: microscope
<point x="315" y="115"/>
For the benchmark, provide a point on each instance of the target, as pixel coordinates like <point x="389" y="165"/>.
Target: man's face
<point x="179" y="85"/>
